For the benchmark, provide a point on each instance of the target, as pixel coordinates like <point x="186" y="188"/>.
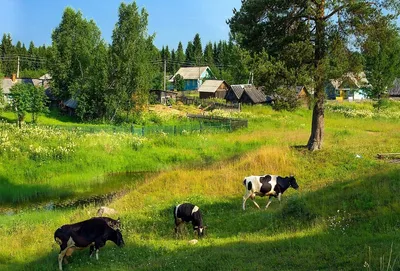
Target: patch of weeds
<point x="340" y="222"/>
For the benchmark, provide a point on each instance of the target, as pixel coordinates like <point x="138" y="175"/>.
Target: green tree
<point x="37" y="101"/>
<point x="209" y="55"/>
<point x="9" y="62"/>
<point x="132" y="51"/>
<point x="20" y="101"/>
<point x="179" y="82"/>
<point x="197" y="50"/>
<point x="273" y="24"/>
<point x="78" y="63"/>
<point x="173" y="63"/>
<point x="381" y="51"/>
<point x="180" y="55"/>
<point x="189" y="53"/>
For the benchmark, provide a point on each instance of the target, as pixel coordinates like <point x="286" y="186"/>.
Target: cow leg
<point x="253" y="198"/>
<point x="61" y="258"/>
<point x="269" y="202"/>
<point x="178" y="226"/>
<point x="63" y="249"/>
<point x="91" y="250"/>
<point x="279" y="197"/>
<point x="97" y="245"/>
<point x="250" y="195"/>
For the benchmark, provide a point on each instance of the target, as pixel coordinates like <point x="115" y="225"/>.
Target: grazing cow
<point x="188" y="212"/>
<point x="103" y="210"/>
<point x="267" y="185"/>
<point x="93" y="232"/>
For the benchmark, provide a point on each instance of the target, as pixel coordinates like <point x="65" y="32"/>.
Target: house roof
<point x="395" y="91"/>
<point x="256" y="95"/>
<point x="211" y="86"/>
<point x="7" y="83"/>
<point x="357" y="80"/>
<point x="237" y="90"/>
<point x="45" y="77"/>
<point x="71" y="103"/>
<point x="190" y="73"/>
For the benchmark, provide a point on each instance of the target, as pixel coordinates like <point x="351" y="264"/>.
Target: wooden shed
<point x="213" y="89"/>
<point x="247" y="94"/>
<point x="164" y="96"/>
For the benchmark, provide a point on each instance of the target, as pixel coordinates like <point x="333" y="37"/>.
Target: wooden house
<point x="247" y="94"/>
<point x="213" y="89"/>
<point x="394" y="92"/>
<point x="8" y="83"/>
<point x="349" y="86"/>
<point x="194" y="76"/>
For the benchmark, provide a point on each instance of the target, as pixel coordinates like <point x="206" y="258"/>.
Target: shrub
<point x="286" y="99"/>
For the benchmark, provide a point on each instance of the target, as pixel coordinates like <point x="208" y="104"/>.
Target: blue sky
<point x="171" y="20"/>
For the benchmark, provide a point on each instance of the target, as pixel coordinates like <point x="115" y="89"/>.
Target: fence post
<point x="142" y="130"/>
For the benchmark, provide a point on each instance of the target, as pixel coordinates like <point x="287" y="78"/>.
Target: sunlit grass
<point x="346" y="204"/>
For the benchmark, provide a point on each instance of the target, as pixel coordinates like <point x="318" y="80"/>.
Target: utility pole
<point x="165" y="74"/>
<point x="18" y="68"/>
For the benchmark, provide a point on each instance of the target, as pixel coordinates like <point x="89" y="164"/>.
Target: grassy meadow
<point x="346" y="215"/>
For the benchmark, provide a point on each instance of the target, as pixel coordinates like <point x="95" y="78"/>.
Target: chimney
<point x="14" y="77"/>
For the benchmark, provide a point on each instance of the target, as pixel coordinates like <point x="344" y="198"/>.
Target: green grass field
<point x="346" y="215"/>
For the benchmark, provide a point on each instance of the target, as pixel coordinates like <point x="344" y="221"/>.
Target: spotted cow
<point x="188" y="212"/>
<point x="93" y="232"/>
<point x="267" y="185"/>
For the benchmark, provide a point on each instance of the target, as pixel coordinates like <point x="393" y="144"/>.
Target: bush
<point x="286" y="99"/>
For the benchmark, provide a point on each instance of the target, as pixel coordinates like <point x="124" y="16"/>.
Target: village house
<point x="194" y="76"/>
<point x="8" y="83"/>
<point x="247" y="94"/>
<point x="394" y="93"/>
<point x="349" y="86"/>
<point x="213" y="89"/>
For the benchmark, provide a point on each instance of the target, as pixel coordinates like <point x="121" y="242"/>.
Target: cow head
<point x="200" y="230"/>
<point x="117" y="238"/>
<point x="115" y="224"/>
<point x="293" y="183"/>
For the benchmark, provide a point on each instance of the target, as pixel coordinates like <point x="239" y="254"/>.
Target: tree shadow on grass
<point x="273" y="239"/>
<point x="17" y="195"/>
<point x="317" y="251"/>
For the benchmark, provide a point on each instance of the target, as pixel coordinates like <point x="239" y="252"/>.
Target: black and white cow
<point x="188" y="212"/>
<point x="267" y="185"/>
<point x="93" y="232"/>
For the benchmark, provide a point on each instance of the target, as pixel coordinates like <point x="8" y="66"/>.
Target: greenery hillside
<point x="346" y="215"/>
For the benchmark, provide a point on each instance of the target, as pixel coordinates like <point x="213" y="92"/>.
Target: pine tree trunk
<point x="317" y="127"/>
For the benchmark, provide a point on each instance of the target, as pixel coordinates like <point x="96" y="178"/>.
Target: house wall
<point x="206" y="95"/>
<point x="231" y="97"/>
<point x="191" y="84"/>
<point x="220" y="93"/>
